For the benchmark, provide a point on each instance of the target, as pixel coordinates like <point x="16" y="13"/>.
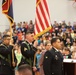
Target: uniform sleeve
<point x="26" y="52"/>
<point x="47" y="63"/>
<point x="5" y="51"/>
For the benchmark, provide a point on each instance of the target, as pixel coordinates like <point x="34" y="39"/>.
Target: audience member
<point x="25" y="70"/>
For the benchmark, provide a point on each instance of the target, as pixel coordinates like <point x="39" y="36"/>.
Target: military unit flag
<point x="7" y="9"/>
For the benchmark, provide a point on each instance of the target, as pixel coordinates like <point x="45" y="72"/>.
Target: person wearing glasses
<point x="7" y="57"/>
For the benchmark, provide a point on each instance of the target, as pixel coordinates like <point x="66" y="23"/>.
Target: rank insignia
<point x="56" y="57"/>
<point x="25" y="49"/>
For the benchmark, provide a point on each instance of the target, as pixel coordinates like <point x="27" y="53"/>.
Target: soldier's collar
<point x="56" y="50"/>
<point x="5" y="45"/>
<point x="28" y="42"/>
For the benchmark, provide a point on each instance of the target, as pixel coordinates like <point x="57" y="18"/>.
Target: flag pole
<point x="13" y="62"/>
<point x="11" y="30"/>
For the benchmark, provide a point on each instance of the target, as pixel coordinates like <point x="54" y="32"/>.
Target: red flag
<point x="7" y="9"/>
<point x="42" y="20"/>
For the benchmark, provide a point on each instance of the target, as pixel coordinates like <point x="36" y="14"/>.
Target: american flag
<point x="42" y="20"/>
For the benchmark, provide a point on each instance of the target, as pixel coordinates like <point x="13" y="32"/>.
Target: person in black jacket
<point x="7" y="64"/>
<point x="52" y="63"/>
<point x="28" y="49"/>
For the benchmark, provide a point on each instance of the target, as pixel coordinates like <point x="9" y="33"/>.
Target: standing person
<point x="28" y="49"/>
<point x="52" y="64"/>
<point x="48" y="46"/>
<point x="36" y="61"/>
<point x="25" y="70"/>
<point x="18" y="56"/>
<point x="6" y="62"/>
<point x="18" y="53"/>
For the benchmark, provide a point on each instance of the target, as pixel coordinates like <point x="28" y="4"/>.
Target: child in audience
<point x="74" y="55"/>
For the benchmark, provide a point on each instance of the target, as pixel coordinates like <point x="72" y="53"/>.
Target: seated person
<point x="74" y="55"/>
<point x="66" y="53"/>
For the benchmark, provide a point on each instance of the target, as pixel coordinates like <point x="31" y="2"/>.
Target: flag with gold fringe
<point x="7" y="9"/>
<point x="42" y="20"/>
